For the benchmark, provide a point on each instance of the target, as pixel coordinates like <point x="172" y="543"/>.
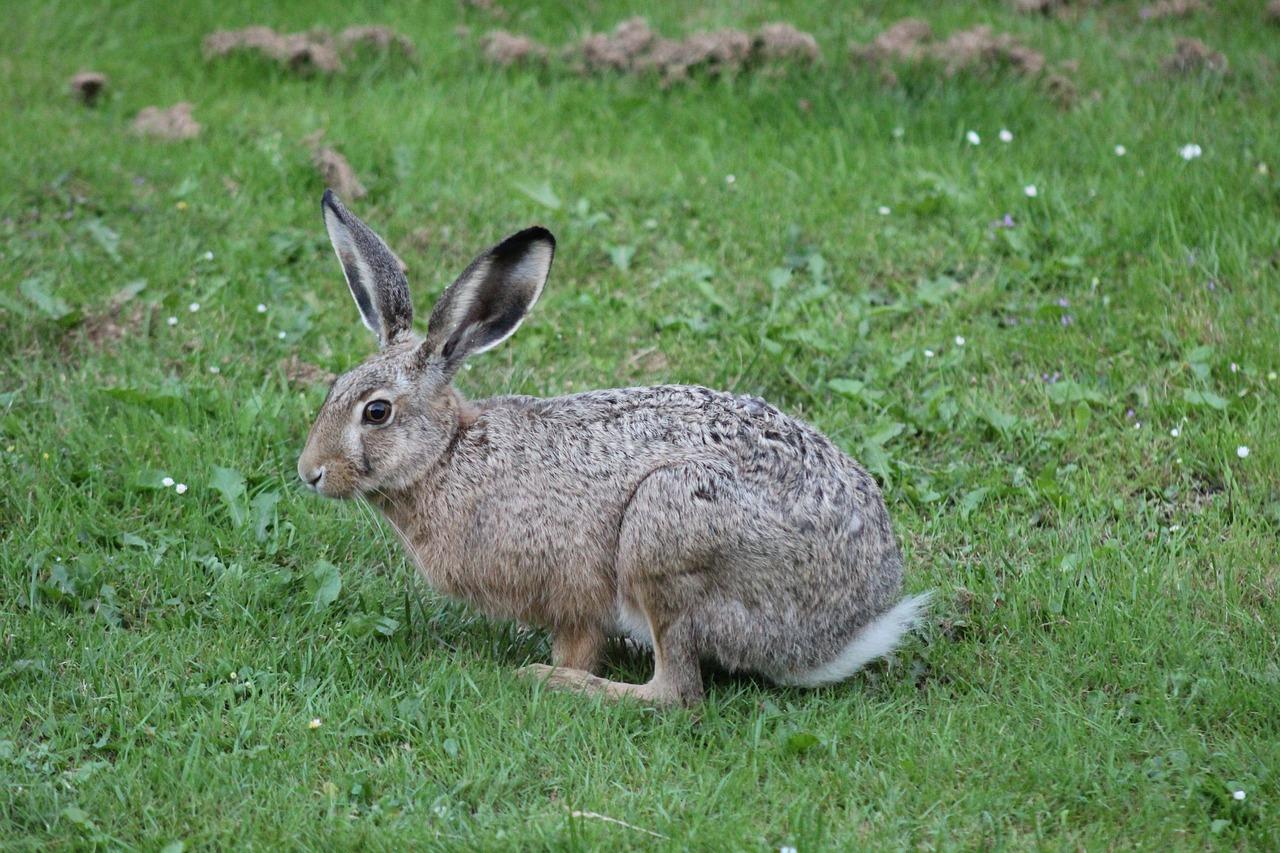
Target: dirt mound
<point x="1273" y="11"/>
<point x="87" y="86"/>
<point x="381" y="38"/>
<point x="633" y="47"/>
<point x="978" y="49"/>
<point x="506" y="49"/>
<point x="175" y="123"/>
<point x="303" y="374"/>
<point x="300" y="52"/>
<point x="489" y="7"/>
<point x="711" y="52"/>
<point x="620" y="50"/>
<point x="781" y="41"/>
<point x="981" y="49"/>
<point x="907" y="40"/>
<point x="1042" y="6"/>
<point x="314" y="51"/>
<point x="337" y="173"/>
<point x="1170" y="9"/>
<point x="1061" y="89"/>
<point x="1191" y="56"/>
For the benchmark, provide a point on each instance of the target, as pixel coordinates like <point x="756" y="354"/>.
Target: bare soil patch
<point x="172" y="124"/>
<point x="334" y="168"/>
<point x="1170" y="9"/>
<point x="979" y="50"/>
<point x="303" y="374"/>
<point x="633" y="47"/>
<point x="489" y="7"/>
<point x="1191" y="56"/>
<point x="312" y="52"/>
<point x="123" y="317"/>
<point x="503" y="48"/>
<point x="380" y="38"/>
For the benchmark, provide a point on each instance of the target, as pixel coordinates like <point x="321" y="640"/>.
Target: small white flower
<point x="234" y="675"/>
<point x="883" y="211"/>
<point x="315" y="723"/>
<point x="213" y="368"/>
<point x="1242" y="451"/>
<point x="1121" y="151"/>
<point x="208" y="256"/>
<point x="1237" y="795"/>
<point x="928" y="353"/>
<point x="172" y="321"/>
<point x="1235" y="368"/>
<point x="1006" y="135"/>
<point x="1137" y="425"/>
<point x="899" y="132"/>
<point x="1189" y="151"/>
<point x="1175" y="432"/>
<point x="959" y="340"/>
<point x="973" y="137"/>
<point x="281" y="335"/>
<point x="262" y="309"/>
<point x="181" y="488"/>
<point x="1031" y="191"/>
<point x="729" y="179"/>
<point x="786" y="849"/>
<point x="193" y="307"/>
<point x="1271" y="376"/>
<point x="167" y="482"/>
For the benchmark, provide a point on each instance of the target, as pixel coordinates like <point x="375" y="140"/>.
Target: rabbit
<point x="706" y="526"/>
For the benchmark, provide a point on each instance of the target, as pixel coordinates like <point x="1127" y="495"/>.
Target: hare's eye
<point x="377" y="412"/>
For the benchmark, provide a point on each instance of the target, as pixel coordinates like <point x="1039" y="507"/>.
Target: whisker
<point x="372" y="515"/>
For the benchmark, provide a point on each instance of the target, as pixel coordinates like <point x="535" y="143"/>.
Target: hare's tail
<point x="876" y="639"/>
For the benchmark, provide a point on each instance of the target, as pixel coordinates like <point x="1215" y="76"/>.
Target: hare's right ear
<point x="377" y="283"/>
<point x="491" y="298"/>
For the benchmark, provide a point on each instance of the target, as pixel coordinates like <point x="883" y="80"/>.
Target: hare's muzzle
<point x="313" y="477"/>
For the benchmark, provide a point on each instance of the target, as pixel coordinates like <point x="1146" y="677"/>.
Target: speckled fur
<point x="711" y="526"/>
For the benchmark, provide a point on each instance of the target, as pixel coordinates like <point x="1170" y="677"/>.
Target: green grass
<point x="1101" y="669"/>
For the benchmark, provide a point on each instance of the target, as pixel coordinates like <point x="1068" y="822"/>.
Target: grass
<point x="1101" y="669"/>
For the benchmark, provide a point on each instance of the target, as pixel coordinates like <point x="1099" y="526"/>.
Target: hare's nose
<point x="313" y="477"/>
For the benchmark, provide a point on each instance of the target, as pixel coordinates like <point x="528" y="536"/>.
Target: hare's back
<point x="781" y="460"/>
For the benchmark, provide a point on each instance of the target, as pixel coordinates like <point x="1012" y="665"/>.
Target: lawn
<point x="1059" y="356"/>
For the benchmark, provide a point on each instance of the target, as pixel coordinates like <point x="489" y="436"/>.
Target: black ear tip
<point x="537" y="234"/>
<point x="330" y="201"/>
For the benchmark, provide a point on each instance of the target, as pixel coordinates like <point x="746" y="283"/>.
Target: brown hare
<point x="707" y="526"/>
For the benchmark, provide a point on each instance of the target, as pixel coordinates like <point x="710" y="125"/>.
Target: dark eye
<point x="377" y="412"/>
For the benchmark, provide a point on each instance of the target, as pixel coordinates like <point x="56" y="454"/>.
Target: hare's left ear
<point x="377" y="283"/>
<point x="491" y="298"/>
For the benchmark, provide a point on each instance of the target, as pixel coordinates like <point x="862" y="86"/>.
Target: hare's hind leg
<point x="667" y="544"/>
<point x="676" y="678"/>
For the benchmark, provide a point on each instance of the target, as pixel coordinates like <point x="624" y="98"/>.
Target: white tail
<point x="876" y="639"/>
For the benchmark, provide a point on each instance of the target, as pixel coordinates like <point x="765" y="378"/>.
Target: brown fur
<point x="707" y="525"/>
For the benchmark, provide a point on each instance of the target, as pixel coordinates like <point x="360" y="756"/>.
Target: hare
<point x="707" y="526"/>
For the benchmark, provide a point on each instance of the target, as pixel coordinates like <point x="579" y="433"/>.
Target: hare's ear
<point x="491" y="298"/>
<point x="377" y="283"/>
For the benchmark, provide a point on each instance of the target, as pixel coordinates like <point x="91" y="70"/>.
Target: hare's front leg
<point x="577" y="648"/>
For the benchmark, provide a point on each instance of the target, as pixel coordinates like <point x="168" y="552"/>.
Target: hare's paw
<point x="577" y="681"/>
<point x="535" y="671"/>
<point x="562" y="678"/>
